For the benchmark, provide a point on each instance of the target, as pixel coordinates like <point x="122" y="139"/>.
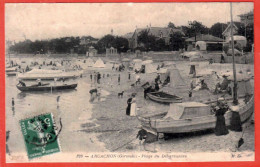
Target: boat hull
<point x="46" y="88"/>
<point x="162" y="97"/>
<point x="50" y="76"/>
<point x="11" y="73"/>
<point x="195" y="124"/>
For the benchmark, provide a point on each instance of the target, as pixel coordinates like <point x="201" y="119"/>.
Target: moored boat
<point x="11" y="71"/>
<point x="48" y="74"/>
<point x="192" y="117"/>
<point x="46" y="87"/>
<point x="163" y="97"/>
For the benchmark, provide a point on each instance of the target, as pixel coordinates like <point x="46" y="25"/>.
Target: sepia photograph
<point x="129" y="82"/>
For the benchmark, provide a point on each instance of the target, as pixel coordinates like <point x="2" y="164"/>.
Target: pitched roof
<point x="128" y="35"/>
<point x="157" y="31"/>
<point x="165" y="31"/>
<point x="204" y="37"/>
<point x="235" y="25"/>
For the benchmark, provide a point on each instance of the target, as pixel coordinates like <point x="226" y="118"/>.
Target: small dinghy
<point x="163" y="97"/>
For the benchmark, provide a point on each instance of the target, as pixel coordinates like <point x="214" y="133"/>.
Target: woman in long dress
<point x="235" y="122"/>
<point x="128" y="108"/>
<point x="236" y="128"/>
<point x="133" y="107"/>
<point x="220" y="128"/>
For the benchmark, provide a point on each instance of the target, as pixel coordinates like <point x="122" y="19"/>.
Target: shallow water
<point x="73" y="108"/>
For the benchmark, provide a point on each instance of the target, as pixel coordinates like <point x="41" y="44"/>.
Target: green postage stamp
<point x="40" y="135"/>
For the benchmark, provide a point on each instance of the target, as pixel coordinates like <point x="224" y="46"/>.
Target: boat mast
<point x="235" y="101"/>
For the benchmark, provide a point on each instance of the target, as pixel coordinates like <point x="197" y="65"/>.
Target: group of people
<point x="120" y="68"/>
<point x="160" y="66"/>
<point x="13" y="64"/>
<point x="96" y="77"/>
<point x="223" y="87"/>
<point x="199" y="85"/>
<point x="152" y="88"/>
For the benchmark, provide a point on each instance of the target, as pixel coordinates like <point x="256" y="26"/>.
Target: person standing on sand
<point x="113" y="66"/>
<point x="133" y="106"/>
<point x="236" y="128"/>
<point x="220" y="128"/>
<point x="6" y="146"/>
<point x="235" y="122"/>
<point x="13" y="102"/>
<point x="129" y="76"/>
<point x="222" y="59"/>
<point x="128" y="108"/>
<point x="118" y="79"/>
<point x="98" y="77"/>
<point x="91" y="77"/>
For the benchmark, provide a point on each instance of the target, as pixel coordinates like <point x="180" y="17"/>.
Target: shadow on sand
<point x="169" y="136"/>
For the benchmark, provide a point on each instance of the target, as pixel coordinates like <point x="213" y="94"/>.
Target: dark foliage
<point x="177" y="41"/>
<point x="217" y="29"/>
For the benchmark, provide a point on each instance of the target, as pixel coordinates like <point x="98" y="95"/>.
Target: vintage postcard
<point x="129" y="82"/>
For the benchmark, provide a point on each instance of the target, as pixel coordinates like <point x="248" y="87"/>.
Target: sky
<point x="42" y="21"/>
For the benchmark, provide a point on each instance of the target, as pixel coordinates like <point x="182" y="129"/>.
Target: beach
<point x="101" y="125"/>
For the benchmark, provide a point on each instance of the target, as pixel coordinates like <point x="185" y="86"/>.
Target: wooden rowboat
<point x="46" y="87"/>
<point x="163" y="97"/>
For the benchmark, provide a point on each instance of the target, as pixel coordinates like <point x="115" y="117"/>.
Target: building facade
<point x="159" y="32"/>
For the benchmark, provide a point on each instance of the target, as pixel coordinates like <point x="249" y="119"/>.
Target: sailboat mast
<point x="235" y="101"/>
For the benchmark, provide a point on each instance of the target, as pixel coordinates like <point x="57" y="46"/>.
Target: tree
<point x="146" y="40"/>
<point x="121" y="44"/>
<point x="105" y="42"/>
<point x="217" y="29"/>
<point x="160" y="45"/>
<point x="177" y="41"/>
<point x="171" y="25"/>
<point x="57" y="45"/>
<point x="186" y="30"/>
<point x="197" y="28"/>
<point x="247" y="31"/>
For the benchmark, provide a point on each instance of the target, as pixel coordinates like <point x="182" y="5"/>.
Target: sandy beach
<point x="113" y="125"/>
<point x="101" y="125"/>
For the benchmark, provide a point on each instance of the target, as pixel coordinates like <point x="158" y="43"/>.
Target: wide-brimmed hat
<point x="234" y="108"/>
<point x="221" y="98"/>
